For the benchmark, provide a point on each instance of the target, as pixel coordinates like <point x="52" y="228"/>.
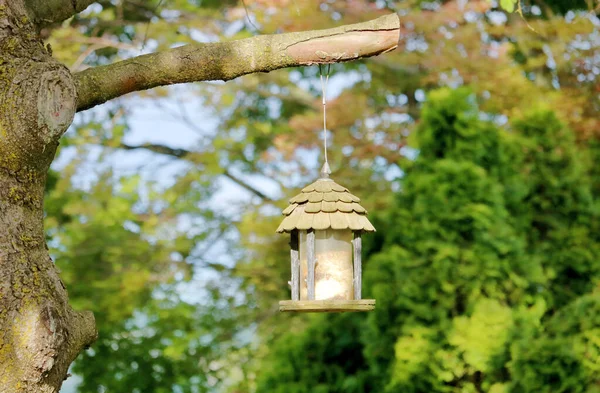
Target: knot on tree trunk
<point x="37" y="108"/>
<point x="56" y="103"/>
<point x="60" y="339"/>
<point x="40" y="343"/>
<point x="37" y="95"/>
<point x="40" y="334"/>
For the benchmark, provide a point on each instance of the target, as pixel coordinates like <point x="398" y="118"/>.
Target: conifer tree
<point x="484" y="275"/>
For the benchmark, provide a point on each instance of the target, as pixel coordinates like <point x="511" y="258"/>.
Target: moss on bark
<point x="40" y="334"/>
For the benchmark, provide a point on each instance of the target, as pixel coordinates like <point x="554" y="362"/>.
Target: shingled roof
<point x="322" y="205"/>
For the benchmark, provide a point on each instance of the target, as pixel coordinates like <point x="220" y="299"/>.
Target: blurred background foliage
<point x="474" y="147"/>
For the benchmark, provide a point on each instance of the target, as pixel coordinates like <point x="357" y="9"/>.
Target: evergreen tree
<point x="485" y="273"/>
<point x="456" y="261"/>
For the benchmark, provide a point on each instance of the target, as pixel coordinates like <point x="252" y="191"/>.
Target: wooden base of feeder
<point x="326" y="305"/>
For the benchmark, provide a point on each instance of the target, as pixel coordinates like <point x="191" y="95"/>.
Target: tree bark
<point x="228" y="60"/>
<point x="40" y="335"/>
<point x="46" y="12"/>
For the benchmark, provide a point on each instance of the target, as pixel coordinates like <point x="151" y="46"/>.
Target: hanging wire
<point x="325" y="171"/>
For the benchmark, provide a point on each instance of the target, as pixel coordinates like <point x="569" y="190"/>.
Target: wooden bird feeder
<point x="325" y="222"/>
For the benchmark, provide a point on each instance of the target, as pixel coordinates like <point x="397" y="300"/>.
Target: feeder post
<point x="310" y="262"/>
<point x="357" y="265"/>
<point x="295" y="265"/>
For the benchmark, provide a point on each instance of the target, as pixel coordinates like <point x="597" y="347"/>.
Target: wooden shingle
<point x="289" y="209"/>
<point x="331" y="196"/>
<point x="323" y="186"/>
<point x="321" y="221"/>
<point x="345" y="197"/>
<point x="328" y="207"/>
<point x="338" y="220"/>
<point x="315" y="197"/>
<point x="313" y="207"/>
<point x="325" y="204"/>
<point x="343" y="207"/>
<point x="357" y="208"/>
<point x="305" y="221"/>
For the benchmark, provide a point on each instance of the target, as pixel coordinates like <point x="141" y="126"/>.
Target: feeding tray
<point x="326" y="305"/>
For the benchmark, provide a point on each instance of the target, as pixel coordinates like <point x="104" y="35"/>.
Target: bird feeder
<point x="325" y="223"/>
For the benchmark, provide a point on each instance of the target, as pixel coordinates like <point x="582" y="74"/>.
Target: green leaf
<point x="508" y="5"/>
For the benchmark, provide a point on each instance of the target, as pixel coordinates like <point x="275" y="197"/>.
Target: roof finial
<point x="325" y="171"/>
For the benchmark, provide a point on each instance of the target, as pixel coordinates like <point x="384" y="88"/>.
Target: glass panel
<point x="333" y="271"/>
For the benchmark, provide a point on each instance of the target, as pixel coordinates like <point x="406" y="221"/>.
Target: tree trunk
<point x="40" y="335"/>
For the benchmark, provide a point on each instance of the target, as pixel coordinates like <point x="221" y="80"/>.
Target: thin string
<point x="324" y="87"/>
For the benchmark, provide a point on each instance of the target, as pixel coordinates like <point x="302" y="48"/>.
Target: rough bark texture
<point x="46" y="12"/>
<point x="229" y="60"/>
<point x="40" y="334"/>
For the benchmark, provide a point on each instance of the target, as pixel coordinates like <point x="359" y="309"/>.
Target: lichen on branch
<point x="229" y="60"/>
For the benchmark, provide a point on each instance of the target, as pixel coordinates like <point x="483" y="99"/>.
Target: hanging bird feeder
<point x="325" y="222"/>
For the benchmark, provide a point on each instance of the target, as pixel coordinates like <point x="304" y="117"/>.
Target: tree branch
<point x="186" y="154"/>
<point x="229" y="60"/>
<point x="247" y="186"/>
<point x="46" y="12"/>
